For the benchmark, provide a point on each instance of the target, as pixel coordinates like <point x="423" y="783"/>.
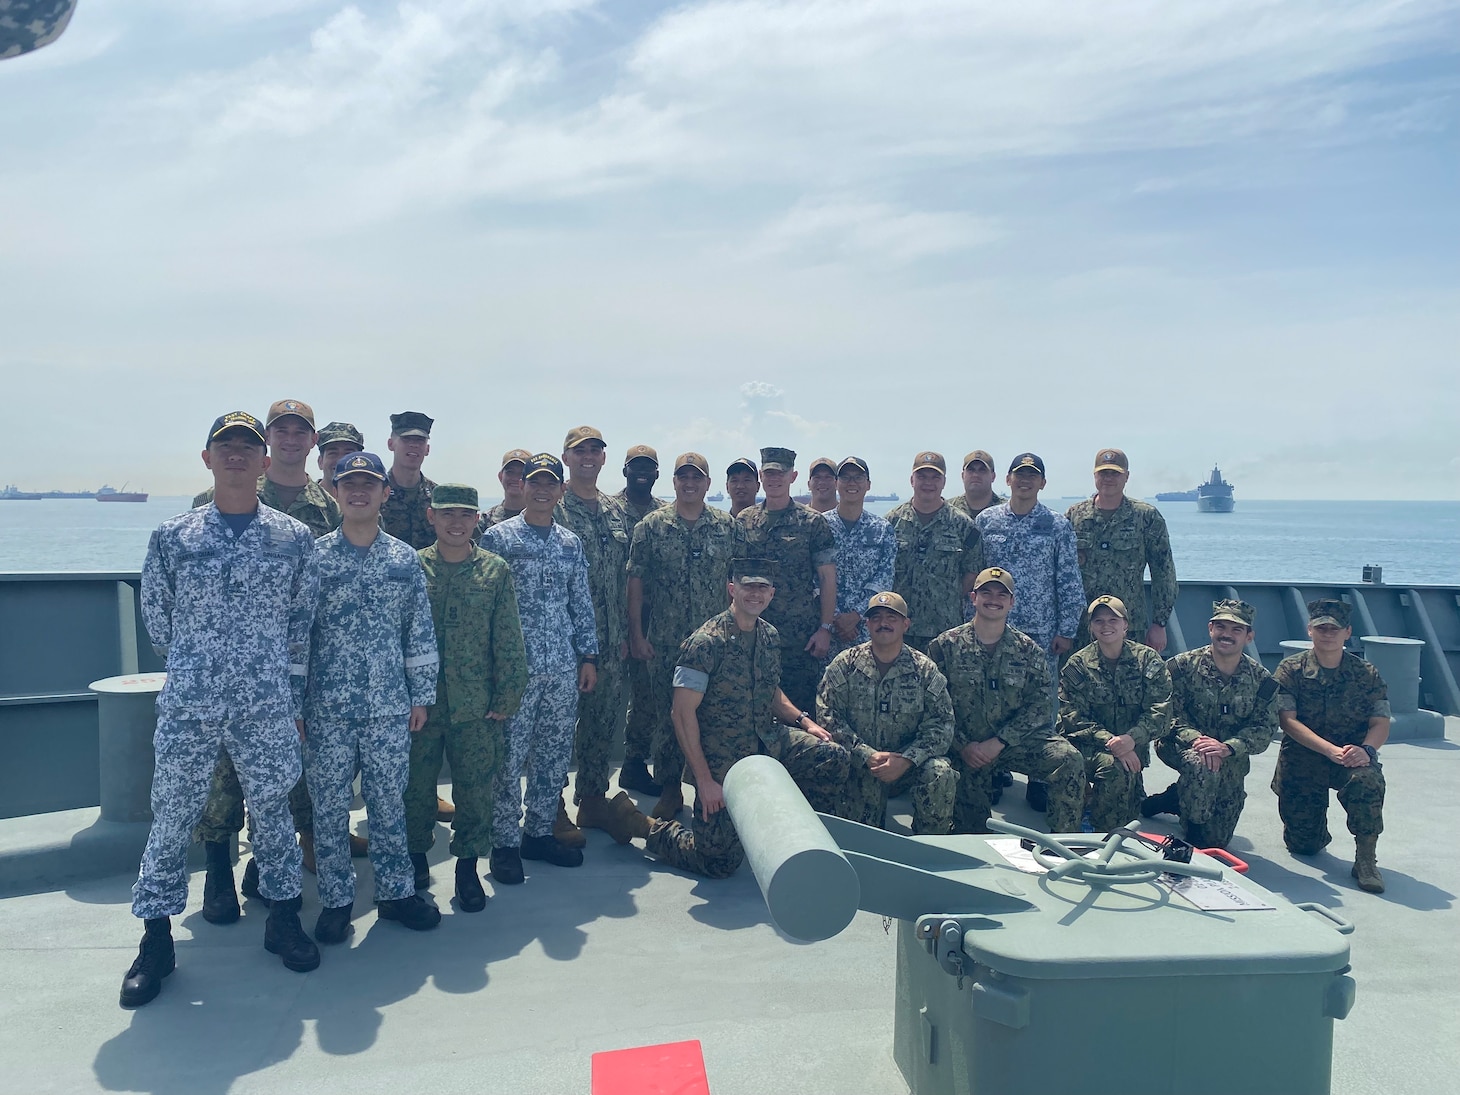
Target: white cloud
<point x="836" y="229"/>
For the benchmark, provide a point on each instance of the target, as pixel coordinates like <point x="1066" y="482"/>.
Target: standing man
<point x="337" y="440"/>
<point x="821" y="484"/>
<point x="228" y="594"/>
<point x="372" y="675"/>
<point x="938" y="553"/>
<point x="514" y="490"/>
<point x="742" y="484"/>
<point x="482" y="677"/>
<point x="1115" y="699"/>
<point x="798" y="540"/>
<point x="978" y="485"/>
<point x="679" y="569"/>
<point x="888" y="705"/>
<point x="1223" y="711"/>
<point x="550" y="573"/>
<point x="641" y="472"/>
<point x="404" y="512"/>
<point x="1334" y="711"/>
<point x="866" y="551"/>
<point x="1117" y="538"/>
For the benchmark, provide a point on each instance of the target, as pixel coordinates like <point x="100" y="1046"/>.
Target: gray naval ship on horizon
<point x="1215" y="495"/>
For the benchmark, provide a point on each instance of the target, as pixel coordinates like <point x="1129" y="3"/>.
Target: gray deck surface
<point x="624" y="952"/>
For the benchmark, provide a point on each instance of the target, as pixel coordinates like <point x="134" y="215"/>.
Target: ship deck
<point x="625" y="952"/>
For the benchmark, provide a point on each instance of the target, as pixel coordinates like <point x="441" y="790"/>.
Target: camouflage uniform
<point x="798" y="540"/>
<point x="1004" y="693"/>
<point x="26" y="25"/>
<point x="866" y="551"/>
<point x="684" y="568"/>
<point x="1114" y="549"/>
<point x="1240" y="712"/>
<point x="1099" y="701"/>
<point x="232" y="616"/>
<point x="372" y="657"/>
<point x="483" y="668"/>
<point x="494" y="516"/>
<point x="313" y="506"/>
<point x="556" y="609"/>
<point x="933" y="558"/>
<point x="604" y="533"/>
<point x="960" y="503"/>
<point x="1336" y="704"/>
<point x="905" y="710"/>
<point x="403" y="514"/>
<point x="639" y="725"/>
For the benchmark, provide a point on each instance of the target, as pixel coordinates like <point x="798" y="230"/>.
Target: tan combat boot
<point x="1366" y="866"/>
<point x="445" y="811"/>
<point x="595" y="812"/>
<point x="566" y="832"/>
<point x="670" y="802"/>
<point x="626" y="821"/>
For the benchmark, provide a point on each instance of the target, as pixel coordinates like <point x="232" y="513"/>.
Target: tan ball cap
<point x="997" y="575"/>
<point x="1111" y="460"/>
<point x="1115" y="604"/>
<point x="888" y="600"/>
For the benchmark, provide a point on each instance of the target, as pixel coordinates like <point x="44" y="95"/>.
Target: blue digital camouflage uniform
<point x="639" y="723"/>
<point x="372" y="657"/>
<point x="403" y="514"/>
<point x="933" y="559"/>
<point x="556" y="609"/>
<point x="232" y="616"/>
<point x="866" y="553"/>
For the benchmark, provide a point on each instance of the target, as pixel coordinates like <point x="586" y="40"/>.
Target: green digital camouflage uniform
<point x="1098" y="702"/>
<point x="933" y="559"/>
<point x="1239" y="711"/>
<point x="313" y="506"/>
<point x="483" y="668"/>
<point x="1336" y="704"/>
<point x="1004" y="693"/>
<point x="639" y="725"/>
<point x="960" y="503"/>
<point x="905" y="710"/>
<point x="1114" y="548"/>
<point x="403" y="514"/>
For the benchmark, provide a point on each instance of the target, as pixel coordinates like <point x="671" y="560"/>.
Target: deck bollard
<point x="126" y="721"/>
<point x="1397" y="661"/>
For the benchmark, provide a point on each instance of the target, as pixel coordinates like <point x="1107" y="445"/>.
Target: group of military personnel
<point x="930" y="652"/>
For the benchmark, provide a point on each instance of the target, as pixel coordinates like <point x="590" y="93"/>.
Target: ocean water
<point x="1415" y="542"/>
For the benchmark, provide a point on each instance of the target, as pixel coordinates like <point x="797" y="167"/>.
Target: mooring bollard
<point x="126" y="721"/>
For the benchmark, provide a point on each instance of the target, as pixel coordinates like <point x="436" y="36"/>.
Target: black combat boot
<point x="549" y="849"/>
<point x="284" y="936"/>
<point x="507" y="866"/>
<point x="1195" y="835"/>
<point x="422" y="869"/>
<point x="415" y="912"/>
<point x="469" y="893"/>
<point x="250" y="883"/>
<point x="1164" y="803"/>
<point x="220" y="901"/>
<point x="1036" y="793"/>
<point x="155" y="960"/>
<point x="634" y="776"/>
<point x="333" y="925"/>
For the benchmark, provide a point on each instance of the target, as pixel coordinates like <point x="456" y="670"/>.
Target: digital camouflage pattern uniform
<point x="1004" y="693"/>
<point x="604" y="532"/>
<point x="483" y="667"/>
<point x="1099" y="701"/>
<point x="1115" y="547"/>
<point x="798" y="540"/>
<point x="495" y="516"/>
<point x="404" y="513"/>
<point x="313" y="506"/>
<point x="933" y="559"/>
<point x="232" y="617"/>
<point x="684" y="568"/>
<point x="556" y="610"/>
<point x="960" y="503"/>
<point x="1240" y="711"/>
<point x="30" y="24"/>
<point x="905" y="710"/>
<point x="372" y="657"/>
<point x="639" y="723"/>
<point x="866" y="554"/>
<point x="1336" y="704"/>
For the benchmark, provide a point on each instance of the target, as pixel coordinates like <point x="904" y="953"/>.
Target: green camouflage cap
<point x="1327" y="611"/>
<point x="411" y="424"/>
<point x="1238" y="612"/>
<point x="454" y="496"/>
<point x="775" y="459"/>
<point x="341" y="431"/>
<point x="754" y="571"/>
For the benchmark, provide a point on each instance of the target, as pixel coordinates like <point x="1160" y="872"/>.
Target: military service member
<point x="798" y="540"/>
<point x="372" y="675"/>
<point x="404" y="512"/>
<point x="1115" y="699"/>
<point x="514" y="490"/>
<point x="228" y="595"/>
<point x="1334" y="710"/>
<point x="938" y="553"/>
<point x="866" y="551"/>
<point x="479" y="686"/>
<point x="998" y="680"/>
<point x="679" y="566"/>
<point x="641" y="472"/>
<point x="821" y="485"/>
<point x="1223" y="710"/>
<point x="1117" y="538"/>
<point x="337" y="440"/>
<point x="888" y="705"/>
<point x="742" y="484"/>
<point x="555" y="605"/>
<point x="978" y="485"/>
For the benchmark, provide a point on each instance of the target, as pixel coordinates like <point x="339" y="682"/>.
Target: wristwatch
<point x="826" y="627"/>
<point x="803" y="718"/>
<point x="1373" y="753"/>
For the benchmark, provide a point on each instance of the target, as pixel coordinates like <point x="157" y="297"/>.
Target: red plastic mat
<point x="675" y="1068"/>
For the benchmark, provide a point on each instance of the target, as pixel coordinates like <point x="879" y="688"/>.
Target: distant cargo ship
<point x="13" y="493"/>
<point x="111" y="494"/>
<point x="1177" y="495"/>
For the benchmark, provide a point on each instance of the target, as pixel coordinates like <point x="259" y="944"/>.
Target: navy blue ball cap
<point x="359" y="463"/>
<point x="237" y="420"/>
<point x="1026" y="460"/>
<point x="544" y="463"/>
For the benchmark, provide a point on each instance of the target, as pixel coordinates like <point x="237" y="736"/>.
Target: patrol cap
<point x="822" y="462"/>
<point x="411" y="424"/>
<point x="888" y="600"/>
<point x="933" y="460"/>
<point x="747" y="572"/>
<point x="1027" y="460"/>
<point x="515" y="456"/>
<point x="236" y="420"/>
<point x="777" y="459"/>
<point x="579" y="434"/>
<point x="362" y="463"/>
<point x="854" y="462"/>
<point x="1115" y="604"/>
<point x="1239" y="612"/>
<point x="994" y="574"/>
<point x="692" y="460"/>
<point x="283" y="408"/>
<point x="341" y="431"/>
<point x="981" y="456"/>
<point x="743" y="463"/>
<point x="642" y="452"/>
<point x="1327" y="611"/>
<point x="544" y="462"/>
<point x="454" y="496"/>
<point x="1111" y="460"/>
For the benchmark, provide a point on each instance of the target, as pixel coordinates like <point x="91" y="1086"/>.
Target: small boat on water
<point x="111" y="494"/>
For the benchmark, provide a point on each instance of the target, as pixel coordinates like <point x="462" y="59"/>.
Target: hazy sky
<point x="1220" y="231"/>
